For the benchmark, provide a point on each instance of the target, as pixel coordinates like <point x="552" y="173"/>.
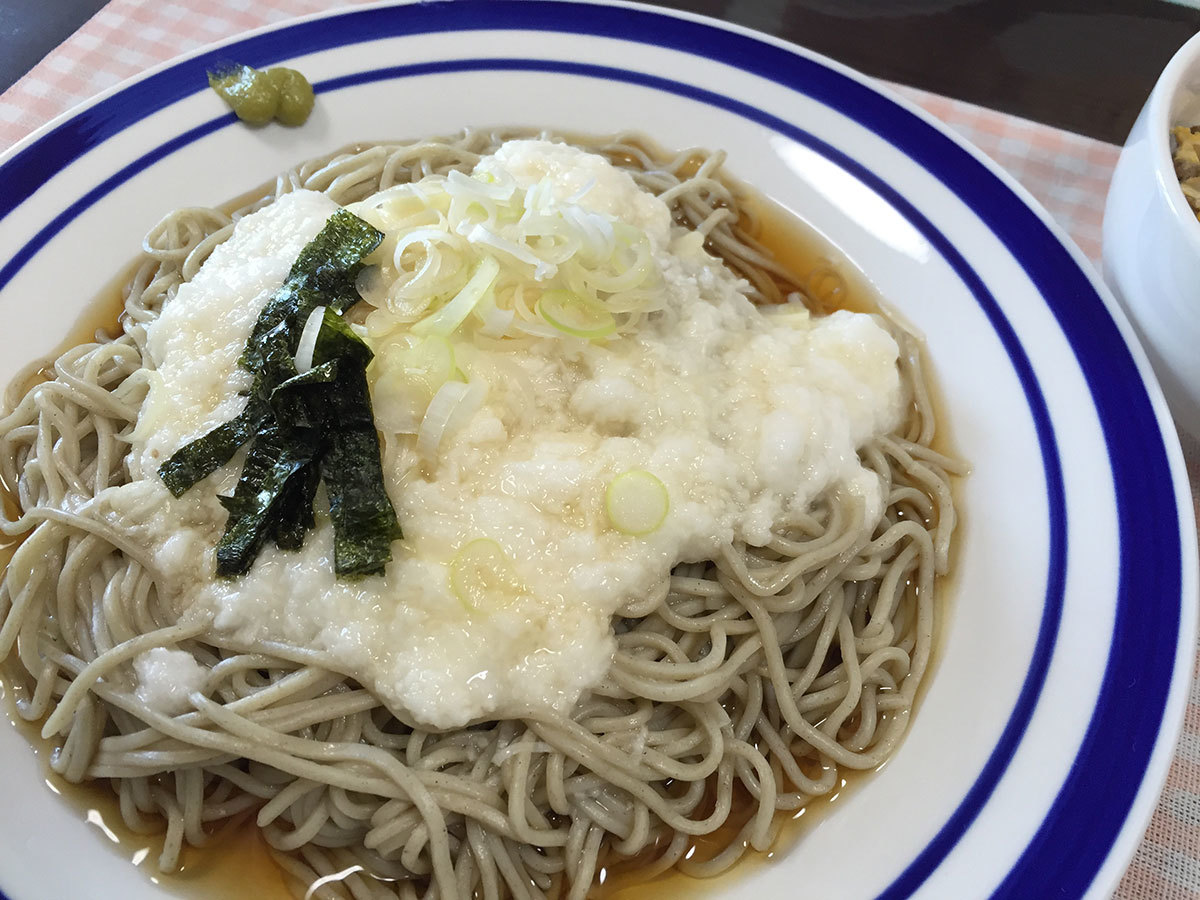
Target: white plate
<point x="1037" y="755"/>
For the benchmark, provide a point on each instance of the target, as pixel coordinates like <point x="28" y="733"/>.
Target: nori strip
<point x="203" y="456"/>
<point x="364" y="522"/>
<point x="273" y="459"/>
<point x="291" y="403"/>
<point x="206" y="454"/>
<point x="277" y="363"/>
<point x="330" y="407"/>
<point x="295" y="512"/>
<point x="337" y="340"/>
<point x="323" y="275"/>
<point x="303" y="428"/>
<point x="337" y="251"/>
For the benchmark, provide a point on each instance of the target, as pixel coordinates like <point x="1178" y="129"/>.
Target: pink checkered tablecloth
<point x="1067" y="173"/>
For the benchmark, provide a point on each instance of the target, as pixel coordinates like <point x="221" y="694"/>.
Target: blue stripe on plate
<point x="15" y="263"/>
<point x="1077" y="834"/>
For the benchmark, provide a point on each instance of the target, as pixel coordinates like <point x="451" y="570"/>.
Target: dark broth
<point x="236" y="862"/>
<point x="100" y="319"/>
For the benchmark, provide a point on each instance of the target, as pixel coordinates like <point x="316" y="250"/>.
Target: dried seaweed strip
<point x="303" y="428"/>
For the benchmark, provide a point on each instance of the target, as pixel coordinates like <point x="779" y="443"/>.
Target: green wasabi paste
<point x="295" y="95"/>
<point x="257" y="96"/>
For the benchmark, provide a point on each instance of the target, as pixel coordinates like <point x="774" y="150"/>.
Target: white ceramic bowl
<point x="1152" y="239"/>
<point x="1041" y="745"/>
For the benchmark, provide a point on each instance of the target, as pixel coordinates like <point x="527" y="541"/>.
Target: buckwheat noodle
<point x="743" y="688"/>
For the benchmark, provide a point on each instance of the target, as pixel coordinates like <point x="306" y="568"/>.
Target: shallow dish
<point x="1040" y="747"/>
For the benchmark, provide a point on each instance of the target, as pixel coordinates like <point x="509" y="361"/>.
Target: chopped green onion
<point x="632" y="262"/>
<point x="481" y="575"/>
<point x="576" y="315"/>
<point x="450" y="316"/>
<point x="792" y="313"/>
<point x="637" y="502"/>
<point x="495" y="320"/>
<point x="451" y="407"/>
<point x="308" y="340"/>
<point x="406" y="375"/>
<point x="430" y="361"/>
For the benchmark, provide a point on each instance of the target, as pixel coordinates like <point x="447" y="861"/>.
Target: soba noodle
<point x="751" y="682"/>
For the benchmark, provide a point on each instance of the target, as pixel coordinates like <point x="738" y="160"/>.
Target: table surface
<point x="1085" y="66"/>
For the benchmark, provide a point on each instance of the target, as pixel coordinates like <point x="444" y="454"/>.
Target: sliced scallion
<point x="637" y="502"/>
<point x="451" y="408"/>
<point x="450" y="316"/>
<point x="575" y="314"/>
<point x="481" y="575"/>
<point x="308" y="340"/>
